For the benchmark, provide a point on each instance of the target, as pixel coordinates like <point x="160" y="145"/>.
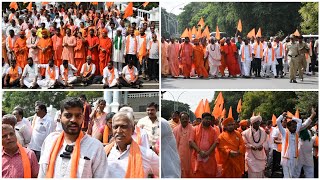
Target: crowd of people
<point x="256" y="148"/>
<point x="242" y="57"/>
<point x="61" y="44"/>
<point x="80" y="142"/>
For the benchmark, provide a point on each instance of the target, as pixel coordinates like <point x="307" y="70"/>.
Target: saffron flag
<point x="252" y="33"/>
<point x="206" y="106"/>
<point x="239" y="106"/>
<point x="259" y="34"/>
<point x="200" y="109"/>
<point x="128" y="11"/>
<point x="145" y="4"/>
<point x="230" y="112"/>
<point x="217" y="33"/>
<point x="201" y="23"/>
<point x="13" y="5"/>
<point x="239" y="27"/>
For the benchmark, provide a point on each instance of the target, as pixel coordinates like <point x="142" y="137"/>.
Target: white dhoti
<point x="246" y="65"/>
<point x="267" y="67"/>
<point x="252" y="174"/>
<point x="308" y="171"/>
<point x="46" y="83"/>
<point x="113" y="83"/>
<point x="214" y="67"/>
<point x="28" y="81"/>
<point x="288" y="167"/>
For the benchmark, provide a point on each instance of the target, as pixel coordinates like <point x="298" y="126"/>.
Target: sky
<point x="191" y="98"/>
<point x="173" y="6"/>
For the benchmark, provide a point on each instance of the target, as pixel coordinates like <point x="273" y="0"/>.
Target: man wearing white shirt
<point x="289" y="156"/>
<point x="78" y="20"/>
<point x="23" y="127"/>
<point x="14" y="27"/>
<point x="42" y="127"/>
<point x="124" y="148"/>
<point x="118" y="50"/>
<point x="257" y="50"/>
<point x="276" y="147"/>
<point x="269" y="61"/>
<point x="67" y="74"/>
<point x="51" y="75"/>
<point x="246" y="58"/>
<point x="72" y="153"/>
<point x="110" y="76"/>
<point x="5" y="24"/>
<point x="153" y="58"/>
<point x="135" y="19"/>
<point x="279" y="50"/>
<point x="5" y="66"/>
<point x="30" y="75"/>
<point x="87" y="71"/>
<point x="112" y="31"/>
<point x="13" y="75"/>
<point x="130" y="76"/>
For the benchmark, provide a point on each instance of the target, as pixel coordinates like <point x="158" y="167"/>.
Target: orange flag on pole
<point x="13" y="5"/>
<point x="230" y="112"/>
<point x="219" y="99"/>
<point x="223" y="113"/>
<point x="44" y="3"/>
<point x="206" y="33"/>
<point x="29" y="7"/>
<point x="296" y="33"/>
<point x="206" y="106"/>
<point x="201" y="23"/>
<point x="145" y="4"/>
<point x="198" y="35"/>
<point x="109" y="4"/>
<point x="217" y="33"/>
<point x="200" y="109"/>
<point x="274" y="120"/>
<point x="259" y="34"/>
<point x="77" y="3"/>
<point x="128" y="11"/>
<point x="190" y="33"/>
<point x="252" y="33"/>
<point x="297" y="114"/>
<point x="194" y="31"/>
<point x="239" y="106"/>
<point x="239" y="27"/>
<point x="185" y="33"/>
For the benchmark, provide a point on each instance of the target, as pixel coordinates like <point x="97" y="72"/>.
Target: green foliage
<point x="167" y="32"/>
<point x="26" y="100"/>
<point x="271" y="17"/>
<point x="167" y="107"/>
<point x="306" y="101"/>
<point x="309" y="13"/>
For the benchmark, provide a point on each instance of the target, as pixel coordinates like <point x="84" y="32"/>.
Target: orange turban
<point x="22" y="33"/>
<point x="226" y="121"/>
<point x="104" y="31"/>
<point x="243" y="123"/>
<point x="44" y="31"/>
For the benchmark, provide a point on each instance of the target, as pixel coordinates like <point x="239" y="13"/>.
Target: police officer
<point x="302" y="62"/>
<point x="292" y="53"/>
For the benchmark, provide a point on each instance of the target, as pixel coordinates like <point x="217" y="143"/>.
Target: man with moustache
<point x="29" y="75"/>
<point x="72" y="153"/>
<point x="126" y="158"/>
<point x="51" y="75"/>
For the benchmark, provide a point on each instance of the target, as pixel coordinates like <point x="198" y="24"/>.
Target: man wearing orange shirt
<point x="57" y="40"/>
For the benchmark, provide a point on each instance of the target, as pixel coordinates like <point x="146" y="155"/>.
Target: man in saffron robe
<point x="80" y="51"/>
<point x="183" y="133"/>
<point x="93" y="44"/>
<point x="21" y="50"/>
<point x="198" y="59"/>
<point x="185" y="56"/>
<point x="57" y="40"/>
<point x="223" y="49"/>
<point x="231" y="59"/>
<point x="172" y="58"/>
<point x="69" y="42"/>
<point x="231" y="150"/>
<point x="45" y="52"/>
<point x="105" y="50"/>
<point x="203" y="143"/>
<point x="255" y="139"/>
<point x="164" y="60"/>
<point x="32" y="42"/>
<point x="175" y="120"/>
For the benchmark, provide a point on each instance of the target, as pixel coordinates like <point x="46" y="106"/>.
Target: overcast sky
<point x="189" y="97"/>
<point x="173" y="6"/>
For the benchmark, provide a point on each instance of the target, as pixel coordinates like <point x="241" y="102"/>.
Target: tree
<point x="306" y="101"/>
<point x="309" y="13"/>
<point x="91" y="95"/>
<point x="167" y="107"/>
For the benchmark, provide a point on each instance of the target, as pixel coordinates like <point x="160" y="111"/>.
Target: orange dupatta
<point x="25" y="162"/>
<point x="128" y="44"/>
<point x="138" y="131"/>
<point x="242" y="53"/>
<point x="10" y="43"/>
<point x="272" y="55"/>
<point x="286" y="146"/>
<point x="135" y="167"/>
<point x="75" y="157"/>
<point x="86" y="72"/>
<point x="143" y="48"/>
<point x="105" y="138"/>
<point x="52" y="74"/>
<point x="13" y="74"/>
<point x="256" y="47"/>
<point x="131" y="72"/>
<point x="112" y="75"/>
<point x="316" y="144"/>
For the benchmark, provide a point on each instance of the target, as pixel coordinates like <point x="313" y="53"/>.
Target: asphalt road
<point x="309" y="83"/>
